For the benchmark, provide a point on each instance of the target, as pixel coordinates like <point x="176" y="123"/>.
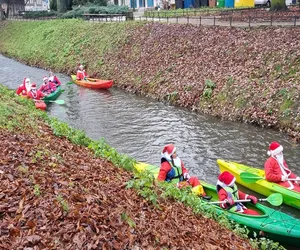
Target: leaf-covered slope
<point x="57" y="195"/>
<point x="255" y="72"/>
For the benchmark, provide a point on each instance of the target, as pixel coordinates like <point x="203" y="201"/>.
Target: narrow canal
<point x="140" y="127"/>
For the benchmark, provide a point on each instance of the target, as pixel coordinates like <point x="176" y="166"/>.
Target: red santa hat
<point x="226" y="179"/>
<point x="168" y="150"/>
<point x="33" y="86"/>
<point x="275" y="148"/>
<point x="80" y="66"/>
<point x="45" y="78"/>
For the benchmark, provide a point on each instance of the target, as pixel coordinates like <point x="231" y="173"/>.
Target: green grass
<point x="46" y="46"/>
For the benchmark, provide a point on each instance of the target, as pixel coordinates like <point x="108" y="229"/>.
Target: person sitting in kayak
<point x="47" y="87"/>
<point x="34" y="93"/>
<point x="228" y="191"/>
<point x="54" y="79"/>
<point x="172" y="170"/>
<point x="25" y="86"/>
<point x="81" y="73"/>
<point x="277" y="170"/>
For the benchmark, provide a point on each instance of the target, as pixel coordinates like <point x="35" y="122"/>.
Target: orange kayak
<point x="93" y="83"/>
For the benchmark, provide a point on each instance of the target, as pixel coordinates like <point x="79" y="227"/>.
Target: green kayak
<point x="253" y="178"/>
<point x="52" y="96"/>
<point x="271" y="223"/>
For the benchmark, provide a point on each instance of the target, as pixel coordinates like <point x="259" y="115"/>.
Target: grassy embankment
<point x="60" y="189"/>
<point x="242" y="75"/>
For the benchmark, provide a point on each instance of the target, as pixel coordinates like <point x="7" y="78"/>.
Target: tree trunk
<point x="69" y="4"/>
<point x="2" y="17"/>
<point x="62" y="6"/>
<point x="278" y="5"/>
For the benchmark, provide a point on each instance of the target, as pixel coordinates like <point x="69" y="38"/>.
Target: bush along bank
<point x="246" y="75"/>
<point x="60" y="189"/>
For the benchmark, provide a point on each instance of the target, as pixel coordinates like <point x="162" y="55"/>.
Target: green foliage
<point x="208" y="89"/>
<point x="172" y="97"/>
<point x="145" y="186"/>
<point x="95" y="9"/>
<point x="36" y="190"/>
<point x="37" y="14"/>
<point x="63" y="203"/>
<point x="125" y="217"/>
<point x="75" y="136"/>
<point x="90" y="2"/>
<point x="102" y="149"/>
<point x="53" y="5"/>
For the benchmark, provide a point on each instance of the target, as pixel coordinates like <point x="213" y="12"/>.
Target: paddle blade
<point x="58" y="101"/>
<point x="275" y="199"/>
<point x="249" y="177"/>
<point x="69" y="82"/>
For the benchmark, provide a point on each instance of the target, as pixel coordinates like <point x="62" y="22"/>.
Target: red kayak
<point x="39" y="104"/>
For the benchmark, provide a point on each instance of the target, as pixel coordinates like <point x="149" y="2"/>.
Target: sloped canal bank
<point x="85" y="100"/>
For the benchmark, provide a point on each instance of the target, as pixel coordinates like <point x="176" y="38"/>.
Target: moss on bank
<point x="237" y="74"/>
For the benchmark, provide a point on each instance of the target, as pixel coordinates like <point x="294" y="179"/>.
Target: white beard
<point x="177" y="161"/>
<point x="28" y="86"/>
<point x="279" y="158"/>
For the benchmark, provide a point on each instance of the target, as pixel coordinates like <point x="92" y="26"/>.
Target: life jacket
<point x="175" y="174"/>
<point x="232" y="192"/>
<point x="47" y="88"/>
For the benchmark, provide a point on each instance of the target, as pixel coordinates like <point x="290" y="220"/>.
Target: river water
<point x="140" y="127"/>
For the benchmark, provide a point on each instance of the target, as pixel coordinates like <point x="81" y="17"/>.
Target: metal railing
<point x="226" y="20"/>
<point x="230" y="21"/>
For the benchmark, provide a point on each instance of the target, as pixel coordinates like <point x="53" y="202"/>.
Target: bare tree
<point x="2" y="16"/>
<point x="62" y="6"/>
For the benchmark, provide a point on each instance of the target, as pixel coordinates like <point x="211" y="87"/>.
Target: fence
<point x="249" y="21"/>
<point x="238" y="20"/>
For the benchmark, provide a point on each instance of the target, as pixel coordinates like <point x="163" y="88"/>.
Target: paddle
<point x="274" y="199"/>
<point x="57" y="101"/>
<point x="252" y="178"/>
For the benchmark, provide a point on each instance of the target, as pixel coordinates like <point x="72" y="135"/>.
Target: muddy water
<point x="140" y="127"/>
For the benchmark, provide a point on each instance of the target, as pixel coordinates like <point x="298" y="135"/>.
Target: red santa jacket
<point x="81" y="74"/>
<point x="48" y="87"/>
<point x="22" y="87"/>
<point x="55" y="80"/>
<point x="37" y="95"/>
<point x="274" y="172"/>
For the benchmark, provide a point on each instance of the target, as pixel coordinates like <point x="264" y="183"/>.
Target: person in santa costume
<point x="81" y="73"/>
<point x="172" y="170"/>
<point x="24" y="87"/>
<point x="34" y="93"/>
<point x="54" y="79"/>
<point x="47" y="87"/>
<point x="276" y="169"/>
<point x="228" y="191"/>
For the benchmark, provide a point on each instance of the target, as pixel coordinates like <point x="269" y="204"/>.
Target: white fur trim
<point x="232" y="182"/>
<point x="223" y="185"/>
<point x="275" y="151"/>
